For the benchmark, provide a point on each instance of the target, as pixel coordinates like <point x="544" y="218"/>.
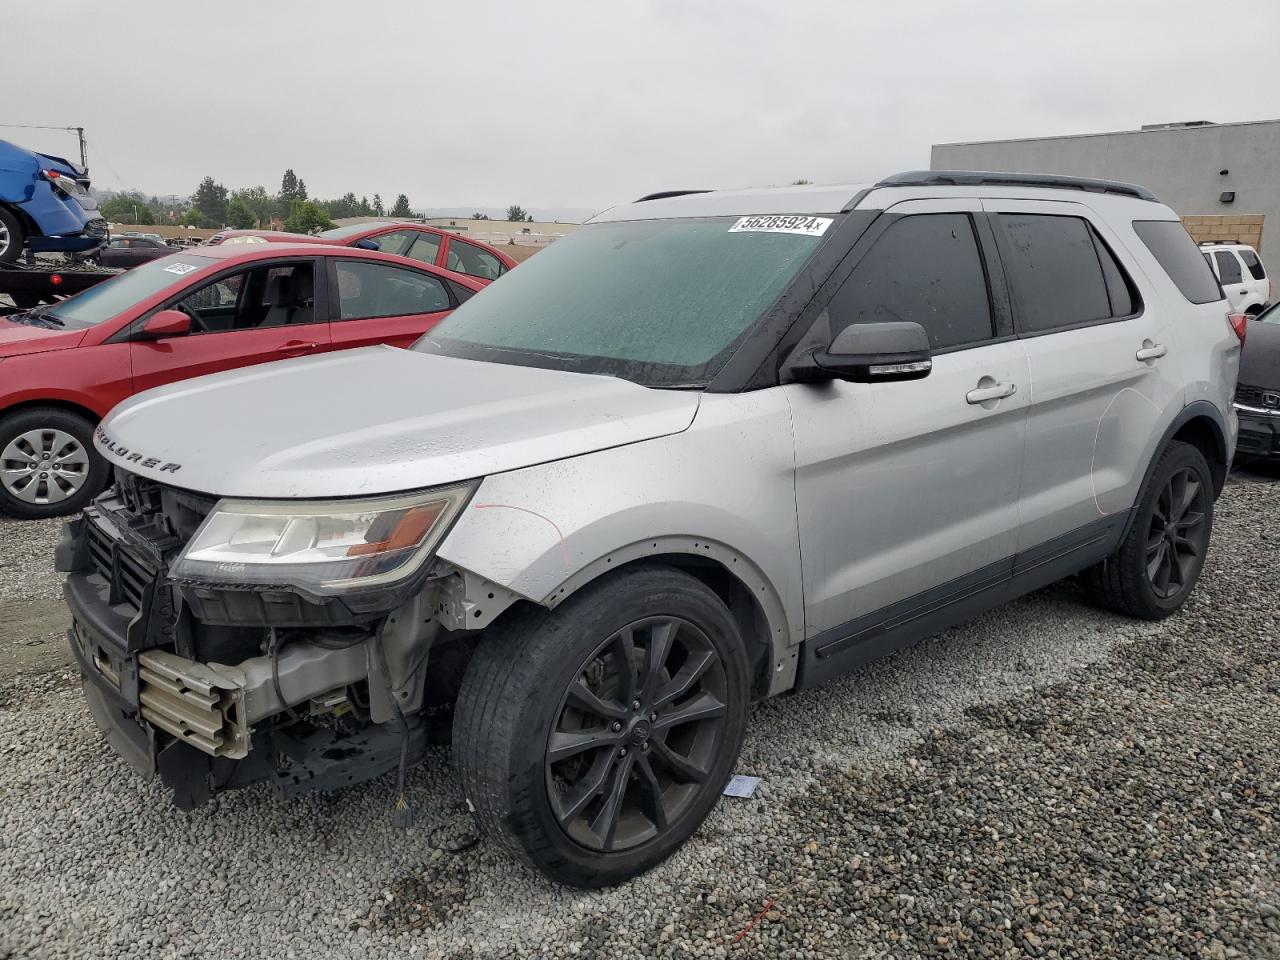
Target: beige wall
<point x="1236" y="227"/>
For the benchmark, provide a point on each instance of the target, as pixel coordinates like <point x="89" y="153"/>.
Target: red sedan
<point x="64" y="365"/>
<point x="414" y="240"/>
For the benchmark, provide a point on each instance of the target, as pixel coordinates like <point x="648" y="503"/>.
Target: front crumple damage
<point x="214" y="687"/>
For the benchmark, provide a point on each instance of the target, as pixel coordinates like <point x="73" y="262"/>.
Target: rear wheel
<point x="12" y="236"/>
<point x="1156" y="567"/>
<point x="48" y="466"/>
<point x="593" y="740"/>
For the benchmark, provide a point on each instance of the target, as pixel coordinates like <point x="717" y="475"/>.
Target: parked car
<point x="1258" y="392"/>
<point x="45" y="205"/>
<point x="780" y="433"/>
<point x="1242" y="275"/>
<point x="414" y="240"/>
<point x="64" y="365"/>
<point x="131" y="251"/>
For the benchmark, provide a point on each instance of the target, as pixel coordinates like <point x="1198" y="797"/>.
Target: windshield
<point x="1270" y="315"/>
<point x="104" y="300"/>
<point x="658" y="302"/>
<point x="341" y="233"/>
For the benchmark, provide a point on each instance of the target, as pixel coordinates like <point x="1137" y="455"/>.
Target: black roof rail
<point x="972" y="178"/>
<point x="663" y="194"/>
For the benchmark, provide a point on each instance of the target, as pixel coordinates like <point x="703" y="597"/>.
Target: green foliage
<point x="306" y="217"/>
<point x="291" y="189"/>
<point x="378" y="209"/>
<point x="240" y="215"/>
<point x="801" y="183"/>
<point x="259" y="202"/>
<point x="194" y="218"/>
<point x="401" y="208"/>
<point x="479" y="216"/>
<point x="210" y="199"/>
<point x="517" y="213"/>
<point x="128" y="208"/>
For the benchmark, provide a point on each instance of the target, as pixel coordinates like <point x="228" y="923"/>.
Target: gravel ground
<point x="1049" y="781"/>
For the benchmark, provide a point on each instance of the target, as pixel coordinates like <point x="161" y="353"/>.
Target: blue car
<point x="45" y="205"/>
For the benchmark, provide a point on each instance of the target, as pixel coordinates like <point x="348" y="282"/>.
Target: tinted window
<point x="396" y="242"/>
<point x="471" y="260"/>
<point x="1120" y="289"/>
<point x="1175" y="251"/>
<point x="925" y="269"/>
<point x="376" y="290"/>
<point x="1055" y="274"/>
<point x="1254" y="264"/>
<point x="425" y="248"/>
<point x="1228" y="266"/>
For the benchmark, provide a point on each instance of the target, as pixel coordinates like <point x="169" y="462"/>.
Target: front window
<point x="105" y="300"/>
<point x="660" y="302"/>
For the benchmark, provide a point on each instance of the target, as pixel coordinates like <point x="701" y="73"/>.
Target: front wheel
<point x="48" y="467"/>
<point x="12" y="236"/>
<point x="594" y="739"/>
<point x="1157" y="566"/>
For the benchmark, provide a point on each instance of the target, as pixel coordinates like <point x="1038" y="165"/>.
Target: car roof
<point x="815" y="199"/>
<point x="249" y="252"/>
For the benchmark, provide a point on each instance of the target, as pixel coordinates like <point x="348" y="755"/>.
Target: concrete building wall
<point x="1180" y="164"/>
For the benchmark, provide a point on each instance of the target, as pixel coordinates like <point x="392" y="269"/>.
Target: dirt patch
<point x="33" y="636"/>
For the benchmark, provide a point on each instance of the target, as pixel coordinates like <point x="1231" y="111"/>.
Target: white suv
<point x="710" y="448"/>
<point x="1243" y="277"/>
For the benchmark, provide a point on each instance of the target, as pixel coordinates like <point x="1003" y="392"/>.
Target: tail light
<point x="1239" y="325"/>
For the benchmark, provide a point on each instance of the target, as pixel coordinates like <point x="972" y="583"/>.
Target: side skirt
<point x="853" y="644"/>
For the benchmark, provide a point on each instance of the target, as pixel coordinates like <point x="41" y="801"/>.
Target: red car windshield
<point x="105" y="300"/>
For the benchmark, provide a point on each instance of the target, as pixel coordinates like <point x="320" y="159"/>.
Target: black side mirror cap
<point x="364" y="243"/>
<point x="871" y="353"/>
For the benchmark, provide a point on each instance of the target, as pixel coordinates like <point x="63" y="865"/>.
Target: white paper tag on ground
<point x="790" y="223"/>
<point x="741" y="786"/>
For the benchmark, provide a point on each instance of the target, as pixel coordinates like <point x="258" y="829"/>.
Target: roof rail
<point x="971" y="178"/>
<point x="663" y="194"/>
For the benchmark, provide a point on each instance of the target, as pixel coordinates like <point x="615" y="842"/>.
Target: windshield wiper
<point x="38" y="317"/>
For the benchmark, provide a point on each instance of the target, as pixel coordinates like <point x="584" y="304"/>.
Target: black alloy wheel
<point x="1178" y="534"/>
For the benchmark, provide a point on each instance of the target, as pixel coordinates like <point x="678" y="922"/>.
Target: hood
<point x="17" y="339"/>
<point x="1260" y="359"/>
<point x="376" y="420"/>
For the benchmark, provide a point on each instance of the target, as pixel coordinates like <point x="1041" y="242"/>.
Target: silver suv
<point x="712" y="447"/>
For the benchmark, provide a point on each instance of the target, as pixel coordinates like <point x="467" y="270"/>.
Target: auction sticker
<point x="180" y="268"/>
<point x="804" y="225"/>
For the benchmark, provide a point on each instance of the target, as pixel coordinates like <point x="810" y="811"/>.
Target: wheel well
<point x="65" y="405"/>
<point x="1253" y="310"/>
<point x="29" y="226"/>
<point x="1203" y="434"/>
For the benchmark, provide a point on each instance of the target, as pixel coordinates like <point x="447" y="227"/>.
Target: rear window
<point x="1178" y="255"/>
<point x="1254" y="264"/>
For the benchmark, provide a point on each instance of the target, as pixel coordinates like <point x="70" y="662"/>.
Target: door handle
<point x="295" y="348"/>
<point x="996" y="391"/>
<point x="1151" y="351"/>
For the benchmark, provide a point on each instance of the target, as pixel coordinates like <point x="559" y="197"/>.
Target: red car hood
<point x="17" y="339"/>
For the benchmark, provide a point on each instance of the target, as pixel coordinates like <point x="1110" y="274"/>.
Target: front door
<point x="906" y="491"/>
<point x="253" y="315"/>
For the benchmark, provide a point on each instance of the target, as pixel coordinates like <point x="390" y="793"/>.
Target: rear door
<point x="1255" y="280"/>
<point x="475" y="261"/>
<point x="1231" y="275"/>
<point x="256" y="314"/>
<point x="907" y="492"/>
<point x="380" y="303"/>
<point x="1103" y="362"/>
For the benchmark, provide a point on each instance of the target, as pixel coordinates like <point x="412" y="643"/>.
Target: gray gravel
<point x="1049" y="781"/>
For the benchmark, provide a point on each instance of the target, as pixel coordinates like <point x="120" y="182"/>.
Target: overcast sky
<point x="585" y="104"/>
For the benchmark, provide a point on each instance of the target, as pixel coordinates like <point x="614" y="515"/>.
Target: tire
<point x="63" y="441"/>
<point x="12" y="236"/>
<point x="518" y="694"/>
<point x="1125" y="581"/>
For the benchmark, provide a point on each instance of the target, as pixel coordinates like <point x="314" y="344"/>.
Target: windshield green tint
<point x="659" y="302"/>
<point x="104" y="300"/>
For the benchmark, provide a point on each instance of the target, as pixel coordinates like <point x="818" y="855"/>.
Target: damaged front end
<point x="223" y="643"/>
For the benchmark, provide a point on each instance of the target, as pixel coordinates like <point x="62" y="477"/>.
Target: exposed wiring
<point x="273" y="652"/>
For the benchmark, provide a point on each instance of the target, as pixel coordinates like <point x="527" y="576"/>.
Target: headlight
<point x="327" y="547"/>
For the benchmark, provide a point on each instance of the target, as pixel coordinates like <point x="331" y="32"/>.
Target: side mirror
<point x="366" y="244"/>
<point x="166" y="323"/>
<point x="872" y="353"/>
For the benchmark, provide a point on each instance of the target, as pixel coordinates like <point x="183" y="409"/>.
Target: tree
<point x="239" y="214"/>
<point x="306" y="217"/>
<point x="302" y="189"/>
<point x="211" y="200"/>
<point x="801" y="183"/>
<point x="261" y="203"/>
<point x="194" y="218"/>
<point x="378" y="209"/>
<point x="516" y="212"/>
<point x="529" y="218"/>
<point x="289" y="189"/>
<point x="128" y="208"/>
<point x="401" y="208"/>
<point x="479" y="216"/>
<point x="365" y="210"/>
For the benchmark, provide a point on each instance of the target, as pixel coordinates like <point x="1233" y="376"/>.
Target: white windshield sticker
<point x="806" y="226"/>
<point x="180" y="268"/>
